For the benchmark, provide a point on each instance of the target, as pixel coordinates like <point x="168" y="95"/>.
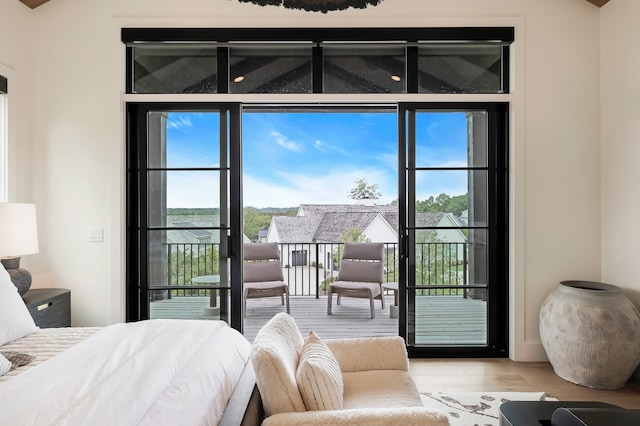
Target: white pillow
<point x="5" y="365"/>
<point x="319" y="377"/>
<point x="15" y="319"/>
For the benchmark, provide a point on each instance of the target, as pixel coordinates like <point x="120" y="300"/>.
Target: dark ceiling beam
<point x="34" y="3"/>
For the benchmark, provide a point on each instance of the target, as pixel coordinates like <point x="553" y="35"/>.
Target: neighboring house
<point x="187" y="235"/>
<point x="446" y="221"/>
<point x="262" y="234"/>
<point x="323" y="225"/>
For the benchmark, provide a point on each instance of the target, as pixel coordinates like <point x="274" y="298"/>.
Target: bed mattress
<point x="44" y="344"/>
<point x="149" y="372"/>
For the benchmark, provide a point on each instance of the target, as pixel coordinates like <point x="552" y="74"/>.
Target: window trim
<point x="410" y="37"/>
<point x="4" y="138"/>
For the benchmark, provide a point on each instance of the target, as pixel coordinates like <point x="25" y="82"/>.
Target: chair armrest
<point x="370" y="353"/>
<point x="406" y="416"/>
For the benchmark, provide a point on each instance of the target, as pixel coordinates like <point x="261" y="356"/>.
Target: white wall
<point x="620" y="133"/>
<point x="16" y="64"/>
<point x="76" y="172"/>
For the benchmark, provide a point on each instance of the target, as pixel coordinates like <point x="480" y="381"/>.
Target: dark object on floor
<point x="527" y="413"/>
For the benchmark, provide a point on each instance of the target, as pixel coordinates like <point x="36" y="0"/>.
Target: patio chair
<point x="262" y="273"/>
<point x="360" y="275"/>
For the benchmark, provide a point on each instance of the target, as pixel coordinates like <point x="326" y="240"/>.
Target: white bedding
<point x="157" y="372"/>
<point x="44" y="344"/>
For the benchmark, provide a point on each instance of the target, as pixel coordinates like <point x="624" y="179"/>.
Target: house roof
<point x="334" y="224"/>
<point x="389" y="212"/>
<point x="428" y="219"/>
<point x="294" y="229"/>
<point x="327" y="222"/>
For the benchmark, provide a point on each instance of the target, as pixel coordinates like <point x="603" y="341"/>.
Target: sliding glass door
<point x="453" y="201"/>
<point x="182" y="223"/>
<point x="449" y="232"/>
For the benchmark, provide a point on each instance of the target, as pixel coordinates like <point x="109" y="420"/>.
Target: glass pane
<point x="447" y="311"/>
<point x="460" y="69"/>
<point x="184" y="139"/>
<point x="188" y="198"/>
<point x="175" y="69"/>
<point x="448" y="321"/>
<point x="174" y="259"/>
<point x="451" y="198"/>
<point x="451" y="139"/>
<point x="364" y="69"/>
<point x="270" y="69"/>
<point x="450" y="263"/>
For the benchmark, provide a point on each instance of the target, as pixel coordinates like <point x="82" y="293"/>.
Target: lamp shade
<point x="18" y="229"/>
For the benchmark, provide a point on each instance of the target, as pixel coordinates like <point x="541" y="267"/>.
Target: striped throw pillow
<point x="5" y="365"/>
<point x="319" y="377"/>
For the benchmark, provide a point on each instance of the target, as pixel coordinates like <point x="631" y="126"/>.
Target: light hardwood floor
<point x="431" y="375"/>
<point x="502" y="375"/>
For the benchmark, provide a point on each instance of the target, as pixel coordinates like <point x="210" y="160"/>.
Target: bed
<point x="156" y="372"/>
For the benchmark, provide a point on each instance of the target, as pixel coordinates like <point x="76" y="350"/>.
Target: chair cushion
<point x="274" y="357"/>
<point x="380" y="388"/>
<point x="262" y="271"/>
<point x="368" y="272"/>
<point x="319" y="377"/>
<point x="266" y="285"/>
<point x="348" y="285"/>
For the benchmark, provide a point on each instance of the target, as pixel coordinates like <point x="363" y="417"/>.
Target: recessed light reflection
<point x="238" y="79"/>
<point x="395" y="78"/>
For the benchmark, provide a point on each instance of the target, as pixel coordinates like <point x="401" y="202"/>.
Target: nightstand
<point x="49" y="307"/>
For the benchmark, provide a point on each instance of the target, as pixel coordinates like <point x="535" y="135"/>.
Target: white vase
<point x="591" y="333"/>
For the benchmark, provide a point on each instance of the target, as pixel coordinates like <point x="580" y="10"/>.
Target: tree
<point x="364" y="191"/>
<point x="444" y="203"/>
<point x="354" y="235"/>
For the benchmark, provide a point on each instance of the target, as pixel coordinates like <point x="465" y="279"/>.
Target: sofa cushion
<point x="319" y="377"/>
<point x="380" y="388"/>
<point x="274" y="357"/>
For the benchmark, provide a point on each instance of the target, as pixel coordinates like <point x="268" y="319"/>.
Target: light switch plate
<point x="96" y="235"/>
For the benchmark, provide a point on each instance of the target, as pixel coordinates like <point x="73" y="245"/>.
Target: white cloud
<point x="179" y="121"/>
<point x="331" y="188"/>
<point x="284" y="142"/>
<point x="193" y="190"/>
<point x="324" y="147"/>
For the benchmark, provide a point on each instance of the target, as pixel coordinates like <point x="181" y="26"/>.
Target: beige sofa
<point x="374" y="386"/>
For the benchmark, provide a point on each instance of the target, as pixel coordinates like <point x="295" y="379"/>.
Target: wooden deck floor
<point x="441" y="320"/>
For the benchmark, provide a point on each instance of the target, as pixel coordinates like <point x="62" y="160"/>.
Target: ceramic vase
<point x="591" y="333"/>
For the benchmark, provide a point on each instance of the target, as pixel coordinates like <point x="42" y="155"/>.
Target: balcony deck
<point x="441" y="320"/>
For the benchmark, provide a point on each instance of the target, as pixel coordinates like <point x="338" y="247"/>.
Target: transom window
<point x="391" y="60"/>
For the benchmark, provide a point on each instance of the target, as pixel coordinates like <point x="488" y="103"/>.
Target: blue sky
<point x="312" y="157"/>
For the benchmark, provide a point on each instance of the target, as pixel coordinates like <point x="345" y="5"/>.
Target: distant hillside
<point x="255" y="218"/>
<point x="194" y="212"/>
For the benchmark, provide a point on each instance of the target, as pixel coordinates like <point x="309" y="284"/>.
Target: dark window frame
<point x="410" y="36"/>
<point x="497" y="226"/>
<point x="3" y="84"/>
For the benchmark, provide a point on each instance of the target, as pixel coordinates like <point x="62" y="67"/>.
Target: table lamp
<point x="18" y="237"/>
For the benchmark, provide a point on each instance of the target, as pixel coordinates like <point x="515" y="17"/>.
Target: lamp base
<point x="20" y="277"/>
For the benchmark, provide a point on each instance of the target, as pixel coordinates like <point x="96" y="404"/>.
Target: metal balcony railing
<point x="308" y="268"/>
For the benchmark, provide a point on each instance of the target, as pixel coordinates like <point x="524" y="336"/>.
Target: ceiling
<point x="35" y="3"/>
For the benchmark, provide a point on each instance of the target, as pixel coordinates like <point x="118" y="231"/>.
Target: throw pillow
<point x="14" y="316"/>
<point x="17" y="359"/>
<point x="319" y="377"/>
<point x="5" y="365"/>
